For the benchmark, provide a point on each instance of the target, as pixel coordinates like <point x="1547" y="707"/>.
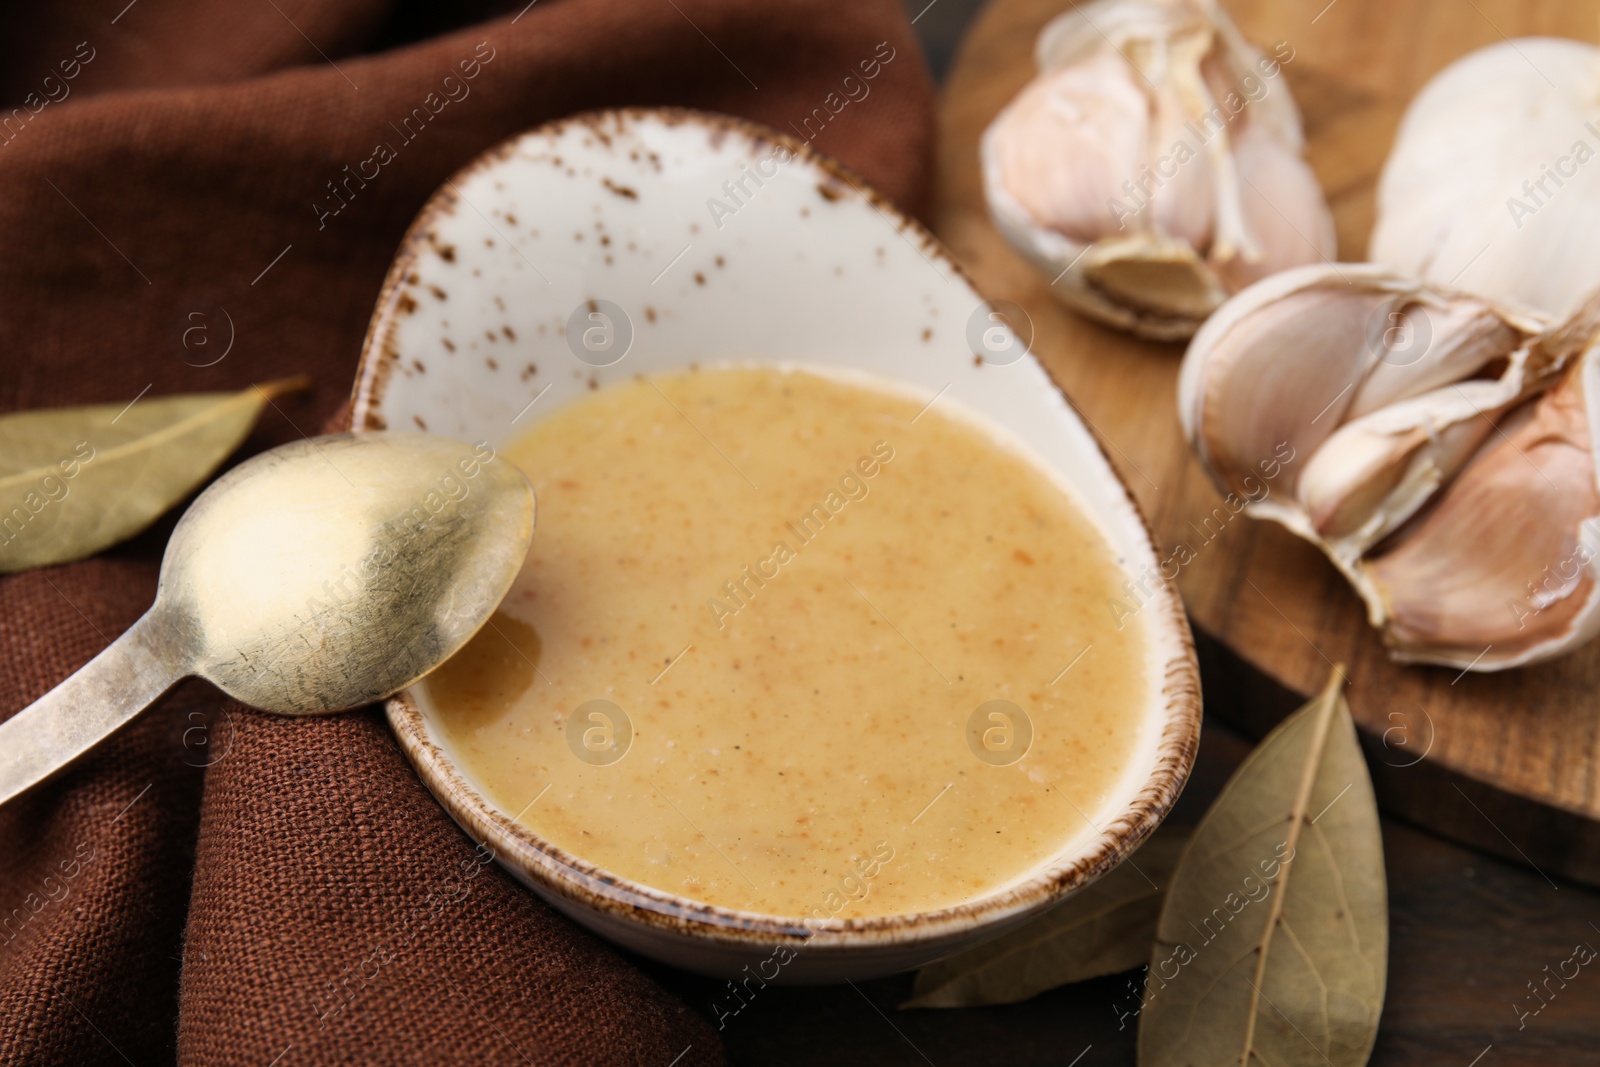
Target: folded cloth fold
<point x="217" y="886"/>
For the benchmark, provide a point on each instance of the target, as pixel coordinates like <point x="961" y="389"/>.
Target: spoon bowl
<point x="317" y="577"/>
<point x="327" y="574"/>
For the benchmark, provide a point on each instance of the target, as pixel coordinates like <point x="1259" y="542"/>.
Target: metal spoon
<point x="317" y="577"/>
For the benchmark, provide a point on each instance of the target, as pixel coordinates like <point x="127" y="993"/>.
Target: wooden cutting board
<point x="1509" y="762"/>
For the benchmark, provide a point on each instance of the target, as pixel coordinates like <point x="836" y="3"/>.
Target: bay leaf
<point x="77" y="480"/>
<point x="1273" y="942"/>
<point x="1105" y="928"/>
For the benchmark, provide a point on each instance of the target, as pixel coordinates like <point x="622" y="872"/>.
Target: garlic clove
<point x="1283" y="211"/>
<point x="1453" y="480"/>
<point x="1293" y="358"/>
<point x="1375" y="472"/>
<point x="1092" y="113"/>
<point x="1116" y="172"/>
<point x="1182" y="205"/>
<point x="1504" y="569"/>
<point x="1276" y="366"/>
<point x="1457" y="334"/>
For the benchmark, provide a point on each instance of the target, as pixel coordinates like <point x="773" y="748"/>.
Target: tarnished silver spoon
<point x="313" y="578"/>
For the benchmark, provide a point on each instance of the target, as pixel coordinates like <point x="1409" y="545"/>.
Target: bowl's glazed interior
<point x="639" y="242"/>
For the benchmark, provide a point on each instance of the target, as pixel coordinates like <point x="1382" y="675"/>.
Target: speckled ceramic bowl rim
<point x="580" y="881"/>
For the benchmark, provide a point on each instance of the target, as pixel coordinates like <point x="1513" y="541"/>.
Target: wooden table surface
<point x="1512" y="760"/>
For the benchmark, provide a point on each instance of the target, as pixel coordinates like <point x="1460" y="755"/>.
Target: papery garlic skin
<point x="1452" y="481"/>
<point x="1493" y="184"/>
<point x="1153" y="166"/>
<point x="1522" y="512"/>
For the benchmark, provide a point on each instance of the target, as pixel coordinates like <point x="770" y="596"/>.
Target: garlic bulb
<point x="1493" y="185"/>
<point x="1440" y="448"/>
<point x="1153" y="167"/>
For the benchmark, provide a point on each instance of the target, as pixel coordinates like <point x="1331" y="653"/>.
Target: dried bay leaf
<point x="76" y="480"/>
<point x="1104" y="928"/>
<point x="1273" y="942"/>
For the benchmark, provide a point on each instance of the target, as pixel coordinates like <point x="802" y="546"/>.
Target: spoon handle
<point x="93" y="703"/>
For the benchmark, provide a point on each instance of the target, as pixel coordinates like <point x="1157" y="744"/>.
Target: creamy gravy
<point x="799" y="598"/>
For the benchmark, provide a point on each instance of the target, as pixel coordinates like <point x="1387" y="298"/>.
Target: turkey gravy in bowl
<point x="800" y="644"/>
<point x="841" y="654"/>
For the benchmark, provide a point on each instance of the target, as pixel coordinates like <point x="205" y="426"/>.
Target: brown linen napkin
<point x="303" y="900"/>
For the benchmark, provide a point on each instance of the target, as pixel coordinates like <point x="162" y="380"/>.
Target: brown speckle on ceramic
<point x="780" y="305"/>
<point x="620" y="190"/>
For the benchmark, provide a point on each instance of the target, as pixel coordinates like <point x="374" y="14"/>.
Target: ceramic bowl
<point x="701" y="238"/>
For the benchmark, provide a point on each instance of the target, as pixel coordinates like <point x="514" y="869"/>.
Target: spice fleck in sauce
<point x="751" y="656"/>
